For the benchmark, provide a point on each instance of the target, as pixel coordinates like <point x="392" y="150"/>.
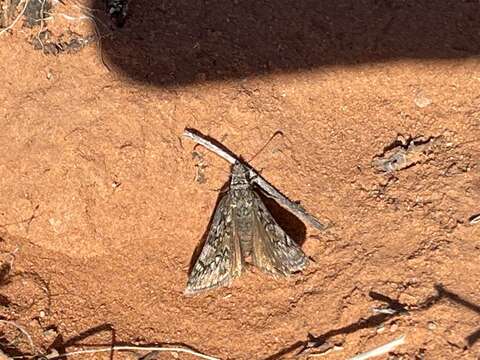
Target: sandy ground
<point x="101" y="206"/>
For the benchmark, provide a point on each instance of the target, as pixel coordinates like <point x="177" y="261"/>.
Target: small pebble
<point x="421" y="100"/>
<point x="431" y="325"/>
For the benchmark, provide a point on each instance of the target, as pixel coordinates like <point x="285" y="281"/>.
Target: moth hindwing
<point x="242" y="228"/>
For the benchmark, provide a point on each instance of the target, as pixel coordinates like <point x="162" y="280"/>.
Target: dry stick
<point x="16" y="19"/>
<point x="133" y="348"/>
<point x="295" y="208"/>
<point x="384" y="349"/>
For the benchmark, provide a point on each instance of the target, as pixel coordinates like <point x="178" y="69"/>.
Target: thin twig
<point x="16" y="19"/>
<point x="384" y="349"/>
<point x="23" y="331"/>
<point x="256" y="178"/>
<point x="73" y="18"/>
<point x="133" y="348"/>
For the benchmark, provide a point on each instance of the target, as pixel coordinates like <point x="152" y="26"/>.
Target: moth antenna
<point x="278" y="132"/>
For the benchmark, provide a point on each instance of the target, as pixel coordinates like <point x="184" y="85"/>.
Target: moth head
<point x="239" y="175"/>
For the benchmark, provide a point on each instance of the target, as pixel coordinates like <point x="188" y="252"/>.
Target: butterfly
<point x="243" y="229"/>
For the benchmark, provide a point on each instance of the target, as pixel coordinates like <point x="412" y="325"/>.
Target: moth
<point x="243" y="230"/>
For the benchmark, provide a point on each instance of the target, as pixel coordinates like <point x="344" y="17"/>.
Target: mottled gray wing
<point x="274" y="251"/>
<point x="220" y="260"/>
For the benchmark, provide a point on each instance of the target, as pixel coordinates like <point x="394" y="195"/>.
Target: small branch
<point x="256" y="178"/>
<point x="384" y="349"/>
<point x="132" y="348"/>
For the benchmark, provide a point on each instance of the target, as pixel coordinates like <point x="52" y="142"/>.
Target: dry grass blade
<point x="133" y="348"/>
<point x="381" y="350"/>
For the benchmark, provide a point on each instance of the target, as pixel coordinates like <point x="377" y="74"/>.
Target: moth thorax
<point x="239" y="178"/>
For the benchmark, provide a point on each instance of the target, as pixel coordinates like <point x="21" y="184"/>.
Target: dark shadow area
<point x="475" y="336"/>
<point x="174" y="42"/>
<point x="5" y="269"/>
<point x="11" y="350"/>
<point x="392" y="309"/>
<point x="291" y="224"/>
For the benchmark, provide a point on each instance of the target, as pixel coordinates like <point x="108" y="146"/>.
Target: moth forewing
<point x="220" y="260"/>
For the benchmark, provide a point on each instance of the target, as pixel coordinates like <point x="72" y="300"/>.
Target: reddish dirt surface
<point x="99" y="204"/>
